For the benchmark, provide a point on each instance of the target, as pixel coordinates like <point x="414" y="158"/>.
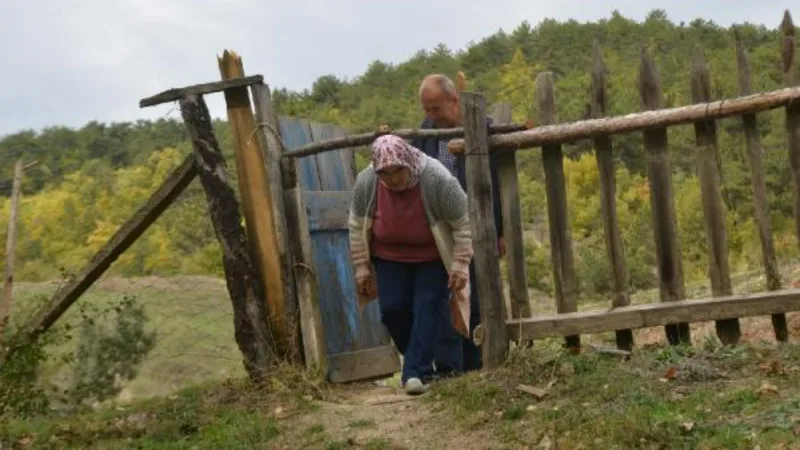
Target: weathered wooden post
<point x="605" y="166"/>
<point x="295" y="248"/>
<point x="242" y="278"/>
<point x="512" y="220"/>
<point x="259" y="211"/>
<point x="668" y="254"/>
<point x="484" y="233"/>
<point x="564" y="278"/>
<point x="792" y="111"/>
<point x="759" y="183"/>
<point x="728" y="330"/>
<point x="11" y="243"/>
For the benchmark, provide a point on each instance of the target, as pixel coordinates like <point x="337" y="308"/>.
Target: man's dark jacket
<point x="430" y="146"/>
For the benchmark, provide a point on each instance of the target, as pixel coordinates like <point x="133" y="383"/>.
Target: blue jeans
<point x="455" y="353"/>
<point x="414" y="309"/>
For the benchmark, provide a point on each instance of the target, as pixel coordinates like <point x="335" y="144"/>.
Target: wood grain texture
<point x="251" y="329"/>
<point x="656" y="314"/>
<point x="636" y="122"/>
<point x="759" y="183"/>
<point x="665" y="228"/>
<point x="484" y="234"/>
<point x="608" y="201"/>
<point x="564" y="278"/>
<point x="257" y="205"/>
<point x="175" y="94"/>
<point x="519" y="301"/>
<point x="708" y="172"/>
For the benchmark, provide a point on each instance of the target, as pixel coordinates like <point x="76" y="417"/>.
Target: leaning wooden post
<point x="512" y="219"/>
<point x="605" y="165"/>
<point x="484" y="233"/>
<point x="564" y="278"/>
<point x="257" y="203"/>
<point x="670" y="266"/>
<point x="705" y="131"/>
<point x="11" y="246"/>
<point x="758" y="180"/>
<point x="272" y="149"/>
<point x="242" y="279"/>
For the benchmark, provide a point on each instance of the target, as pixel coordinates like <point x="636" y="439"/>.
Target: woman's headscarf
<point x="390" y="150"/>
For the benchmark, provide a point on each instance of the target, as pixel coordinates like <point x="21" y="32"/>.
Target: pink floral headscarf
<point x="390" y="150"/>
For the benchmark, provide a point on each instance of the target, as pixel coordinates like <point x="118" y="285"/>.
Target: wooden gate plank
<point x="357" y="344"/>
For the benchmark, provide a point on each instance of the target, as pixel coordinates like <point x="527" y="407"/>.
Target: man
<point x="440" y="101"/>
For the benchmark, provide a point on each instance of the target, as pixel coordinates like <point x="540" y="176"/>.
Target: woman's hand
<point x="366" y="286"/>
<point x="457" y="281"/>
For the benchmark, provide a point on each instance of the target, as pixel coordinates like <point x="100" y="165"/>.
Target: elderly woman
<point x="411" y="247"/>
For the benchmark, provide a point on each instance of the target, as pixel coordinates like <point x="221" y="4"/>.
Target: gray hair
<point x="443" y="82"/>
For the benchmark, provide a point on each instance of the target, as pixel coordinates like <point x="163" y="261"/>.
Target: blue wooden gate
<point x="357" y="344"/>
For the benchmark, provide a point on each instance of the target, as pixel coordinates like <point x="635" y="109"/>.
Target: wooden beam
<point x="358" y="140"/>
<point x="561" y="257"/>
<point x="656" y="314"/>
<point x="257" y="203"/>
<point x="759" y="183"/>
<point x="11" y="247"/>
<point x="708" y="170"/>
<point x="512" y="224"/>
<point x="241" y="277"/>
<point x="362" y="365"/>
<point x="484" y="233"/>
<point x="305" y="275"/>
<point x="662" y="203"/>
<point x="125" y="236"/>
<point x="175" y="94"/>
<point x="586" y="129"/>
<point x="615" y="251"/>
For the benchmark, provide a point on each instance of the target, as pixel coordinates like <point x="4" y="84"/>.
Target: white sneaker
<point x="414" y="386"/>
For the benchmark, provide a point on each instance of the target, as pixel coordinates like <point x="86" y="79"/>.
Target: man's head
<point x="439" y="98"/>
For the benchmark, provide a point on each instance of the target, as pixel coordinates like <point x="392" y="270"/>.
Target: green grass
<point x="192" y="317"/>
<point x="596" y="401"/>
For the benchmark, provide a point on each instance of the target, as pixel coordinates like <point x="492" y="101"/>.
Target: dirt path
<point x="375" y="417"/>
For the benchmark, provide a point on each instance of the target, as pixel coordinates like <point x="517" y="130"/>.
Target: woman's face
<point x="396" y="178"/>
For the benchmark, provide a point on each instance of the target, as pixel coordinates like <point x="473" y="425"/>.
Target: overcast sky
<point x="66" y="62"/>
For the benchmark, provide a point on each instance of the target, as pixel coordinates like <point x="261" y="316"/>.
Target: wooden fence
<point x="274" y="275"/>
<point x="674" y="312"/>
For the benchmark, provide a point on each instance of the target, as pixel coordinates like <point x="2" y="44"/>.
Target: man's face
<point x="440" y="108"/>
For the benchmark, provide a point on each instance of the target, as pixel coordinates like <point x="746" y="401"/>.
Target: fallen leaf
<point x="772" y="368"/>
<point x="671" y="373"/>
<point x="25" y="440"/>
<point x="687" y="426"/>
<point x="767" y="389"/>
<point x="539" y="393"/>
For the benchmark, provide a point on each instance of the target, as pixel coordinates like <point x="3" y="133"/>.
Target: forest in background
<point x="91" y="179"/>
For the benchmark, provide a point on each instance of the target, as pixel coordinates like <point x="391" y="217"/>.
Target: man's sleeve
<point x="494" y="167"/>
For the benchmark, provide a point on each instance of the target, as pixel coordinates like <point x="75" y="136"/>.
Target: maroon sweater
<point x="400" y="231"/>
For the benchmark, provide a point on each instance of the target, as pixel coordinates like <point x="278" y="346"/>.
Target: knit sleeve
<point x="452" y="207"/>
<point x="356" y="220"/>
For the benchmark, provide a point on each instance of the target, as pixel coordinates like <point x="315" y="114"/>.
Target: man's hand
<point x="457" y="281"/>
<point x="501" y="246"/>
